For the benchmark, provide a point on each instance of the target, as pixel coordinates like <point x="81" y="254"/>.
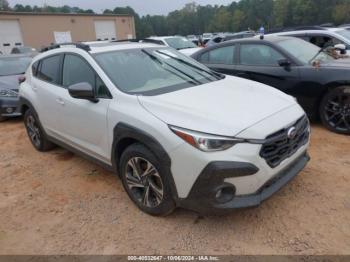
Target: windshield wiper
<point x="212" y="73"/>
<point x="193" y="80"/>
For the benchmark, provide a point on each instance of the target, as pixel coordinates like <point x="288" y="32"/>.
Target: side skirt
<point x="82" y="154"/>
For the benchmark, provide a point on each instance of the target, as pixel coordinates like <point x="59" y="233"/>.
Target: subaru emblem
<point x="292" y="132"/>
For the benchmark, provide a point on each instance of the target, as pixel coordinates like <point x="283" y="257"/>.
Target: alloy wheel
<point x="144" y="182"/>
<point x="337" y="111"/>
<point x="33" y="131"/>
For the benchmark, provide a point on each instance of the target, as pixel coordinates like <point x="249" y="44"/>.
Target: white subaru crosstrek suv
<point x="177" y="133"/>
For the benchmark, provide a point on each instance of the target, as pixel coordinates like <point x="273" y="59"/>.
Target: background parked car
<point x="179" y="43"/>
<point x="320" y="82"/>
<point x="215" y="40"/>
<point x="206" y="38"/>
<point x="24" y="50"/>
<point x="322" y="37"/>
<point x="12" y="67"/>
<point x="194" y="39"/>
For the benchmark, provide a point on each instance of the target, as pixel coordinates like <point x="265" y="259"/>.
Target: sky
<point x="142" y="7"/>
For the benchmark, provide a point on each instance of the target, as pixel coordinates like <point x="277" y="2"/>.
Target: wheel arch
<point x="24" y="105"/>
<point x="125" y="135"/>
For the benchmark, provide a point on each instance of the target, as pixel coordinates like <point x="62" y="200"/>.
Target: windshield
<point x="179" y="43"/>
<point x="304" y="51"/>
<point x="153" y="71"/>
<point x="344" y="33"/>
<point x="13" y="65"/>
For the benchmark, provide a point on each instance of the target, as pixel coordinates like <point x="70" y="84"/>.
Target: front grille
<point x="280" y="146"/>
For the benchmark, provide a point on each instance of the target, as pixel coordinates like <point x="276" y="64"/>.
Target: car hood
<point x="190" y="51"/>
<point x="9" y="82"/>
<point x="225" y="107"/>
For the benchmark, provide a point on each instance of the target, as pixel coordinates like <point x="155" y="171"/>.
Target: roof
<point x="60" y="14"/>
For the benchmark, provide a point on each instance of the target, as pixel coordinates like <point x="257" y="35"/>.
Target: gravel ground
<point x="59" y="203"/>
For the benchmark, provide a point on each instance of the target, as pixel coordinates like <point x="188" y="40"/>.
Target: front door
<point x="260" y="62"/>
<point x="84" y="123"/>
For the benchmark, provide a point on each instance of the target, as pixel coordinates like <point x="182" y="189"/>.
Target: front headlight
<point x="205" y="142"/>
<point x="8" y="93"/>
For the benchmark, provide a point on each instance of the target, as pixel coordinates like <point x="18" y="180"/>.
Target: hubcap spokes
<point x="33" y="131"/>
<point x="337" y="112"/>
<point x="144" y="182"/>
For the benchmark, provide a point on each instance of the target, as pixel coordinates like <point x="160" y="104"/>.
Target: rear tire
<point x="35" y="132"/>
<point x="143" y="178"/>
<point x="335" y="110"/>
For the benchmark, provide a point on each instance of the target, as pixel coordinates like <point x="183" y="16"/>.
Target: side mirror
<point x="284" y="62"/>
<point x="82" y="90"/>
<point x="341" y="48"/>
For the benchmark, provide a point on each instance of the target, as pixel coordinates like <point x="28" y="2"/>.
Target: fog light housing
<point x="225" y="194"/>
<point x="9" y="110"/>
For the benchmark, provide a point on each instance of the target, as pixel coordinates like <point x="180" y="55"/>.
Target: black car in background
<point x="319" y="81"/>
<point x="12" y="68"/>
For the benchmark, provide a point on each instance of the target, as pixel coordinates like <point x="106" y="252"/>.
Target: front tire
<point x="143" y="178"/>
<point x="35" y="132"/>
<point x="335" y="110"/>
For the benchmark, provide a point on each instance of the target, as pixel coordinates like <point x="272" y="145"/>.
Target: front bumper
<point x="9" y="107"/>
<point x="203" y="196"/>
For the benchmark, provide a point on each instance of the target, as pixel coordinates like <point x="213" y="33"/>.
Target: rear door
<point x="47" y="86"/>
<point x="260" y="62"/>
<point x="220" y="59"/>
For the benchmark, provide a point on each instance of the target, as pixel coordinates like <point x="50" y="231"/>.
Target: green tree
<point x="281" y="12"/>
<point x="341" y="13"/>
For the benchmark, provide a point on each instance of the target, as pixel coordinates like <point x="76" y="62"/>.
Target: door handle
<point x="60" y="101"/>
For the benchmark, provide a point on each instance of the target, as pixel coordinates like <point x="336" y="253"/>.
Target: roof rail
<point x="135" y="40"/>
<point x="77" y="45"/>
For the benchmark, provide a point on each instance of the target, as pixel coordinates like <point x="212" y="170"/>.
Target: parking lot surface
<point x="59" y="203"/>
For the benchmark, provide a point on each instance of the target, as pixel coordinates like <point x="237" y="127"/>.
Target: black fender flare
<point x="123" y="132"/>
<point x="25" y="102"/>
